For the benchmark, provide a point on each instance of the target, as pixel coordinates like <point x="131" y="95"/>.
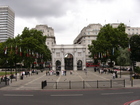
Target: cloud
<point x="68" y="17"/>
<point x="39" y="8"/>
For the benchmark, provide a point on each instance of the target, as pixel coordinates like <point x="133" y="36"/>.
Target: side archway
<point x="79" y="65"/>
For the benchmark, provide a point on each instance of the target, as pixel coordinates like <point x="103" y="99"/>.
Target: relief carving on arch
<point x="58" y="59"/>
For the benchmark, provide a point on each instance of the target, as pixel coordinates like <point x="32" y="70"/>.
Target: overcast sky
<point x="69" y="17"/>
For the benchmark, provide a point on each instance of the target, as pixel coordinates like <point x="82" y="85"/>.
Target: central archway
<point x="58" y="65"/>
<point x="68" y="61"/>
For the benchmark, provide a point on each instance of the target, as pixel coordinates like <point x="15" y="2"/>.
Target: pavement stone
<point x="33" y="82"/>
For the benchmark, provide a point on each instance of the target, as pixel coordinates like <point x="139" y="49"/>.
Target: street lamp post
<point x="120" y="71"/>
<point x="16" y="61"/>
<point x="122" y="62"/>
<point x="5" y="78"/>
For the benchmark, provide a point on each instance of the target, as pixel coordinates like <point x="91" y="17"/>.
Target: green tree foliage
<point x="7" y="52"/>
<point x="124" y="58"/>
<point x="135" y="47"/>
<point x="27" y="47"/>
<point x="108" y="41"/>
<point x="137" y="69"/>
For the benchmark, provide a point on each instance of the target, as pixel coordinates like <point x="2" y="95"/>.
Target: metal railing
<point x="85" y="84"/>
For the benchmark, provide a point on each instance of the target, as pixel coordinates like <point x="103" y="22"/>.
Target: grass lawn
<point x="2" y="73"/>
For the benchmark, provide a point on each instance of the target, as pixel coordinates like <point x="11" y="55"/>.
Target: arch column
<point x="62" y="60"/>
<point x="53" y="61"/>
<point x="74" y="60"/>
<point x="84" y="58"/>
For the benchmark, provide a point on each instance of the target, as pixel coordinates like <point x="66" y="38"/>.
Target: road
<point x="69" y="97"/>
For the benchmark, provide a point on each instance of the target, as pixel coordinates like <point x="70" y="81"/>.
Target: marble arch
<point x="77" y="51"/>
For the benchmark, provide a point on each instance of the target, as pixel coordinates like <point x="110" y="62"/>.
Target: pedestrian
<point x="2" y="79"/>
<point x="94" y="69"/>
<point x="85" y="70"/>
<point x="114" y="75"/>
<point x="65" y="72"/>
<point x="105" y="70"/>
<point x="57" y="73"/>
<point x="101" y="71"/>
<point x="46" y="73"/>
<point x="62" y="72"/>
<point x="70" y="72"/>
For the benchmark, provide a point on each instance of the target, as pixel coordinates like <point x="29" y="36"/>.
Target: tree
<point x="31" y="43"/>
<point x="108" y="41"/>
<point x="135" y="51"/>
<point x="34" y="41"/>
<point x="135" y="47"/>
<point x="137" y="69"/>
<point x="7" y="52"/>
<point x="124" y="58"/>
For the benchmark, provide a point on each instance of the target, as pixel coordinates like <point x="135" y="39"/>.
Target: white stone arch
<point x="59" y="52"/>
<point x="58" y="59"/>
<point x="65" y="53"/>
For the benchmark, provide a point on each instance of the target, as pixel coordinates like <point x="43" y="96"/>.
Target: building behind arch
<point x="79" y="48"/>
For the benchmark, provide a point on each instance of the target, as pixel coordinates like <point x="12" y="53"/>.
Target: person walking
<point x="85" y="70"/>
<point x="70" y="72"/>
<point x="62" y="72"/>
<point x="114" y="75"/>
<point x="65" y="72"/>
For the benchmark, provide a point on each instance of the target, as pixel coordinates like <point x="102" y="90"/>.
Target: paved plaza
<point x="33" y="82"/>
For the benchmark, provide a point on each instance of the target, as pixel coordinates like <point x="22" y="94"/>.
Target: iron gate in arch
<point x="79" y="65"/>
<point x="68" y="62"/>
<point x="58" y="65"/>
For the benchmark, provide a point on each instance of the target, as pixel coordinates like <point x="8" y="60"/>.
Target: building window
<point x="41" y="30"/>
<point x="47" y="43"/>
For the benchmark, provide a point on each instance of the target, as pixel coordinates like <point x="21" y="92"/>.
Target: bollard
<point x="43" y="84"/>
<point x="110" y="83"/>
<point x="69" y="84"/>
<point x="97" y="84"/>
<point x="83" y="84"/>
